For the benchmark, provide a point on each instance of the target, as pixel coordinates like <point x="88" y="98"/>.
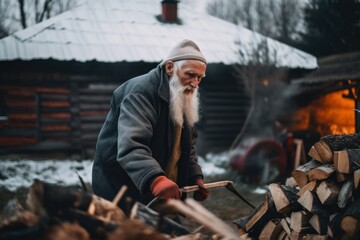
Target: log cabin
<point x="57" y="76"/>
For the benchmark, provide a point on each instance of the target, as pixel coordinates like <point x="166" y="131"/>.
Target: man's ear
<point x="169" y="68"/>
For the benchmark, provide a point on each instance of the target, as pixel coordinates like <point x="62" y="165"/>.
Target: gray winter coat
<point x="134" y="144"/>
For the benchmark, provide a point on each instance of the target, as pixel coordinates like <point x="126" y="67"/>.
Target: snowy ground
<point x="21" y="173"/>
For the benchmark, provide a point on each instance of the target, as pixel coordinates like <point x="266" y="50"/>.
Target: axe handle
<point x="194" y="188"/>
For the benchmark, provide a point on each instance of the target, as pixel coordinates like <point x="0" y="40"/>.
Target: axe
<point x="227" y="184"/>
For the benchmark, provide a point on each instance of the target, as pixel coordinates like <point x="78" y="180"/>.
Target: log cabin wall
<point x="61" y="106"/>
<point x="35" y="114"/>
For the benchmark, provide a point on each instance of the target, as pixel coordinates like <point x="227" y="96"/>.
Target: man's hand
<point x="164" y="188"/>
<point x="202" y="193"/>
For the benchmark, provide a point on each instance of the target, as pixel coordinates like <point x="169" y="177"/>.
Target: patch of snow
<point x="21" y="173"/>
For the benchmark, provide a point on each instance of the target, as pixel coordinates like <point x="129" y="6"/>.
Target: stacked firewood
<point x="320" y="200"/>
<point x="56" y="212"/>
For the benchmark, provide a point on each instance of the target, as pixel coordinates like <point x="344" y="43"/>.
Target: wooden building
<point x="328" y="98"/>
<point x="57" y="77"/>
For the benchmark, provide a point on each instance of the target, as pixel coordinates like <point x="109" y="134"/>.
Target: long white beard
<point x="183" y="105"/>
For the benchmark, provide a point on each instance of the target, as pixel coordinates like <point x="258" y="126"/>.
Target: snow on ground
<point x="21" y="173"/>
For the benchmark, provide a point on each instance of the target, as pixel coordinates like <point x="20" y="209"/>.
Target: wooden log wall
<point x="90" y="105"/>
<point x="34" y="115"/>
<point x="59" y="118"/>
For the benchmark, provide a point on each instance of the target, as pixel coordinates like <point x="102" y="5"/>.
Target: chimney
<point x="169" y="10"/>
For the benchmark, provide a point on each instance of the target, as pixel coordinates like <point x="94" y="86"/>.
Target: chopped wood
<point x="290" y="181"/>
<point x="259" y="217"/>
<point x="356" y="178"/>
<point x="321" y="172"/>
<point x="348" y="160"/>
<point x="282" y="203"/>
<point x="311" y="186"/>
<point x="324" y="151"/>
<point x="283" y="236"/>
<point x="327" y="192"/>
<point x="320" y="223"/>
<point x="314" y="154"/>
<point x="345" y="193"/>
<point x="334" y="229"/>
<point x="350" y="220"/>
<point x="337" y="142"/>
<point x="311" y="202"/>
<point x="45" y="198"/>
<point x="296" y="236"/>
<point x="350" y="225"/>
<point x="299" y="221"/>
<point x="285" y="226"/>
<point x="271" y="230"/>
<point x="300" y="174"/>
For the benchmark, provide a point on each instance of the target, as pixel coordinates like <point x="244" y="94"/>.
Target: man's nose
<point x="195" y="81"/>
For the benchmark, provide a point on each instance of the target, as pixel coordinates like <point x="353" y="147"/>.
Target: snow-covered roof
<point x="123" y="30"/>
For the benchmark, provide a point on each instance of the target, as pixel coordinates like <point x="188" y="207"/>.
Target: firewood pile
<point x="319" y="201"/>
<point x="56" y="212"/>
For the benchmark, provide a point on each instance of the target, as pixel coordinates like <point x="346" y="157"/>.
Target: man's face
<point x="190" y="74"/>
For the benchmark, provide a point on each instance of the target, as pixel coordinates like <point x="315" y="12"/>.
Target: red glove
<point x="164" y="188"/>
<point x="202" y="193"/>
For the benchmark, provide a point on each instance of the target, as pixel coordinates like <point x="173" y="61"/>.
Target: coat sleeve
<point x="195" y="171"/>
<point x="137" y="118"/>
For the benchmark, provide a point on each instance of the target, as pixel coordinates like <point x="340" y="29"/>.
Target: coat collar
<point x="164" y="89"/>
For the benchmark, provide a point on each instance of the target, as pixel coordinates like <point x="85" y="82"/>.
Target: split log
<point x="285" y="198"/>
<point x="350" y="222"/>
<point x="300" y="174"/>
<point x="324" y="151"/>
<point x="314" y="154"/>
<point x="322" y="172"/>
<point x="296" y="236"/>
<point x="311" y="202"/>
<point x="348" y="160"/>
<point x="45" y="198"/>
<point x="271" y="230"/>
<point x="290" y="182"/>
<point x="285" y="226"/>
<point x="327" y="192"/>
<point x="299" y="221"/>
<point x="345" y="193"/>
<point x="320" y="223"/>
<point x="356" y="178"/>
<point x="283" y="236"/>
<point x="328" y="144"/>
<point x="334" y="230"/>
<point x="311" y="186"/>
<point x="258" y="218"/>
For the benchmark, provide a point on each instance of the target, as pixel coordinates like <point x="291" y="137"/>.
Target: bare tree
<point x="278" y="19"/>
<point x="3" y="16"/>
<point x="21" y="14"/>
<point x="263" y="82"/>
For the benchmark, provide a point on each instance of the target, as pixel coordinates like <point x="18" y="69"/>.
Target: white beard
<point x="183" y="105"/>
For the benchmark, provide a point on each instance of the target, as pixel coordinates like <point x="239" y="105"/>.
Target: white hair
<point x="182" y="105"/>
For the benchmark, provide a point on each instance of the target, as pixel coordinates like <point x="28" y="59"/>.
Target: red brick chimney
<point x="169" y="10"/>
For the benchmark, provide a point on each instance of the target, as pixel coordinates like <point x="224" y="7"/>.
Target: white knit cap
<point x="184" y="50"/>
